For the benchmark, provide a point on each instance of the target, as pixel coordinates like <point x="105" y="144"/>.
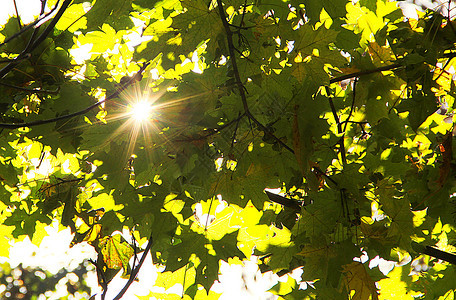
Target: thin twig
<point x="212" y="131"/>
<point x="78" y="113"/>
<point x="366" y="72"/>
<point x="241" y="27"/>
<point x="241" y="88"/>
<point x="18" y="17"/>
<point x="268" y="132"/>
<point x="135" y="270"/>
<point x="352" y="107"/>
<point x="449" y="19"/>
<point x="229" y="38"/>
<point x="27" y="27"/>
<point x="443" y="68"/>
<point x="30" y="90"/>
<point x="243" y="14"/>
<point x="336" y="117"/>
<point x="354" y="122"/>
<point x="237" y="77"/>
<point x="32" y="45"/>
<point x="319" y="171"/>
<point x="103" y="283"/>
<point x="234" y="132"/>
<point x="52" y="24"/>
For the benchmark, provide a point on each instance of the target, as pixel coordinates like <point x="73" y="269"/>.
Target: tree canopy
<point x="307" y="133"/>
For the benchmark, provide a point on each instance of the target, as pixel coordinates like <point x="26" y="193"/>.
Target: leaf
<point x="116" y="252"/>
<point x="357" y="279"/>
<point x="115" y="13"/>
<point x="335" y="8"/>
<point x="313" y="53"/>
<point x="419" y="107"/>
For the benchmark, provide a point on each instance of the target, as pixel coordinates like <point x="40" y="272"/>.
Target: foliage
<point x="345" y="107"/>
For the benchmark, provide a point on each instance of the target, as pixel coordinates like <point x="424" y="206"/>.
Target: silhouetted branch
<point x="33" y="44"/>
<point x="336" y="117"/>
<point x="18" y="17"/>
<point x="135" y="270"/>
<point x="231" y="48"/>
<point x="448" y="257"/>
<point x="241" y="88"/>
<point x="103" y="283"/>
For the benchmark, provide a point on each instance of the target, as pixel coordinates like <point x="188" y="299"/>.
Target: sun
<point x="141" y="110"/>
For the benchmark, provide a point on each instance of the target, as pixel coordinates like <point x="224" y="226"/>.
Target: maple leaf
<point x="357" y="279"/>
<point x="116" y="252"/>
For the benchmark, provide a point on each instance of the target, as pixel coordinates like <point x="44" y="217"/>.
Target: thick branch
<point x="448" y="257"/>
<point x="78" y="113"/>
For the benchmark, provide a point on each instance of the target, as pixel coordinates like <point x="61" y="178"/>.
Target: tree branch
<point x="366" y="72"/>
<point x="8" y="60"/>
<point x="27" y="27"/>
<point x="229" y="38"/>
<point x="287" y="202"/>
<point x="439" y="254"/>
<point x="352" y="107"/>
<point x="33" y="44"/>
<point x="18" y="17"/>
<point x="336" y="117"/>
<point x="211" y="131"/>
<point x="78" y="113"/>
<point x="30" y="90"/>
<point x="135" y="271"/>
<point x="103" y="283"/>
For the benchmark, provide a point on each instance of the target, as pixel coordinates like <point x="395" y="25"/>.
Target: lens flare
<point x="141" y="111"/>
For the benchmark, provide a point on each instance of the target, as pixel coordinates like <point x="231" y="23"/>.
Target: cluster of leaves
<point x="346" y="108"/>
